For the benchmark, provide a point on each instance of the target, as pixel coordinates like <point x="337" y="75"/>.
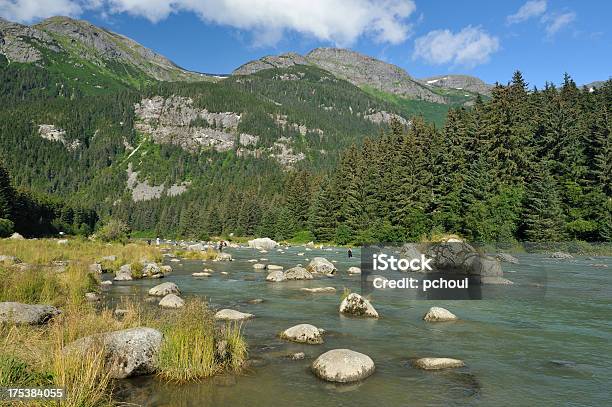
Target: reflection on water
<point x="550" y="349"/>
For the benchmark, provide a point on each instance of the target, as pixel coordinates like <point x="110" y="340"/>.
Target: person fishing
<point x="349" y="253"/>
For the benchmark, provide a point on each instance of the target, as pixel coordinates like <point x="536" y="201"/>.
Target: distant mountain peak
<point x="83" y="40"/>
<point x="458" y="82"/>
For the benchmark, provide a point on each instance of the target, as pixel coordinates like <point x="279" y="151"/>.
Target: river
<point x="551" y="347"/>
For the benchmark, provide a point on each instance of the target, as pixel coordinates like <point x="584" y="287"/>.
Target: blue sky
<point x="488" y="39"/>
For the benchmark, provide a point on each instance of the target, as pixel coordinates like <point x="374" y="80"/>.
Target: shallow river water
<point x="549" y="348"/>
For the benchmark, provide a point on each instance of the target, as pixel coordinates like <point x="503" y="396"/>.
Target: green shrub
<point x="136" y="269"/>
<point x="114" y="230"/>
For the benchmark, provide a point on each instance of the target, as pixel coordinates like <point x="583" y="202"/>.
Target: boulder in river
<point x="129" y="352"/>
<point x="303" y="333"/>
<point x="439" y="314"/>
<point x="124" y="273"/>
<point x="259" y="266"/>
<point x="507" y="258"/>
<point x="263" y="243"/>
<point x="561" y="256"/>
<point x="164" y="289"/>
<point x="320" y="265"/>
<point x="276" y="276"/>
<point x="274" y="267"/>
<point x="165" y="269"/>
<point x="438" y="363"/>
<point x="354" y="270"/>
<point x="26" y="314"/>
<point x="354" y="304"/>
<point x="343" y="366"/>
<point x="106" y="282"/>
<point x="232" y="315"/>
<point x="224" y="257"/>
<point x="298" y="273"/>
<point x="324" y="290"/>
<point x="172" y="301"/>
<point x="150" y="269"/>
<point x="201" y="274"/>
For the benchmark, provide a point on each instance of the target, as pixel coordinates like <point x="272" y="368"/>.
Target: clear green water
<point x="509" y="346"/>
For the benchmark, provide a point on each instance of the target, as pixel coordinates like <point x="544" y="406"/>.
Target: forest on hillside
<point x="531" y="165"/>
<point x="526" y="164"/>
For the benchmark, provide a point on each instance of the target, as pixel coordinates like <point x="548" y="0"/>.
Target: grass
<point x="208" y="254"/>
<point x="33" y="356"/>
<point x="194" y="349"/>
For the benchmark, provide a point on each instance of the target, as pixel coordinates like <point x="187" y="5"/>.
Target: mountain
<point x="458" y="82"/>
<point x="92" y="116"/>
<point x="81" y="51"/>
<point x="594" y="85"/>
<point x="377" y="77"/>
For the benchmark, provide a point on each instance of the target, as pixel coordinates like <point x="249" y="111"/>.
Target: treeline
<point x="530" y="165"/>
<point x="34" y="215"/>
<point x="527" y="165"/>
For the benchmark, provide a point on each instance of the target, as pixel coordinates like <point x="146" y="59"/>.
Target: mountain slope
<point x="80" y="51"/>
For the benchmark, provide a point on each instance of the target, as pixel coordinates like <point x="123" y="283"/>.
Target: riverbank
<point x="49" y="351"/>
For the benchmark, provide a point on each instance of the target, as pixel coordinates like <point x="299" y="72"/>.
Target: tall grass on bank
<point x="45" y="251"/>
<point x="194" y="349"/>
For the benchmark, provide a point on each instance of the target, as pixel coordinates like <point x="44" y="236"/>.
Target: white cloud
<point x="340" y="22"/>
<point x="555" y="22"/>
<point x="25" y="11"/>
<point x="469" y="47"/>
<point x="337" y="21"/>
<point x="532" y="8"/>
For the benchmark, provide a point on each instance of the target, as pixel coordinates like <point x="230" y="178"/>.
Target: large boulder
<point x="303" y="333"/>
<point x="276" y="276"/>
<point x="164" y="289"/>
<point x="259" y="266"/>
<point x="232" y="315"/>
<point x="438" y="363"/>
<point x="343" y="366"/>
<point x="16" y="236"/>
<point x="26" y="314"/>
<point x="124" y="273"/>
<point x="439" y="314"/>
<point x="460" y="258"/>
<point x="354" y="304"/>
<point x="298" y="273"/>
<point x="172" y="301"/>
<point x="263" y="243"/>
<point x="320" y="265"/>
<point x="129" y="352"/>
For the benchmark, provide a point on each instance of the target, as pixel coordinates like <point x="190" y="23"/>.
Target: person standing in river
<point x="349" y="253"/>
